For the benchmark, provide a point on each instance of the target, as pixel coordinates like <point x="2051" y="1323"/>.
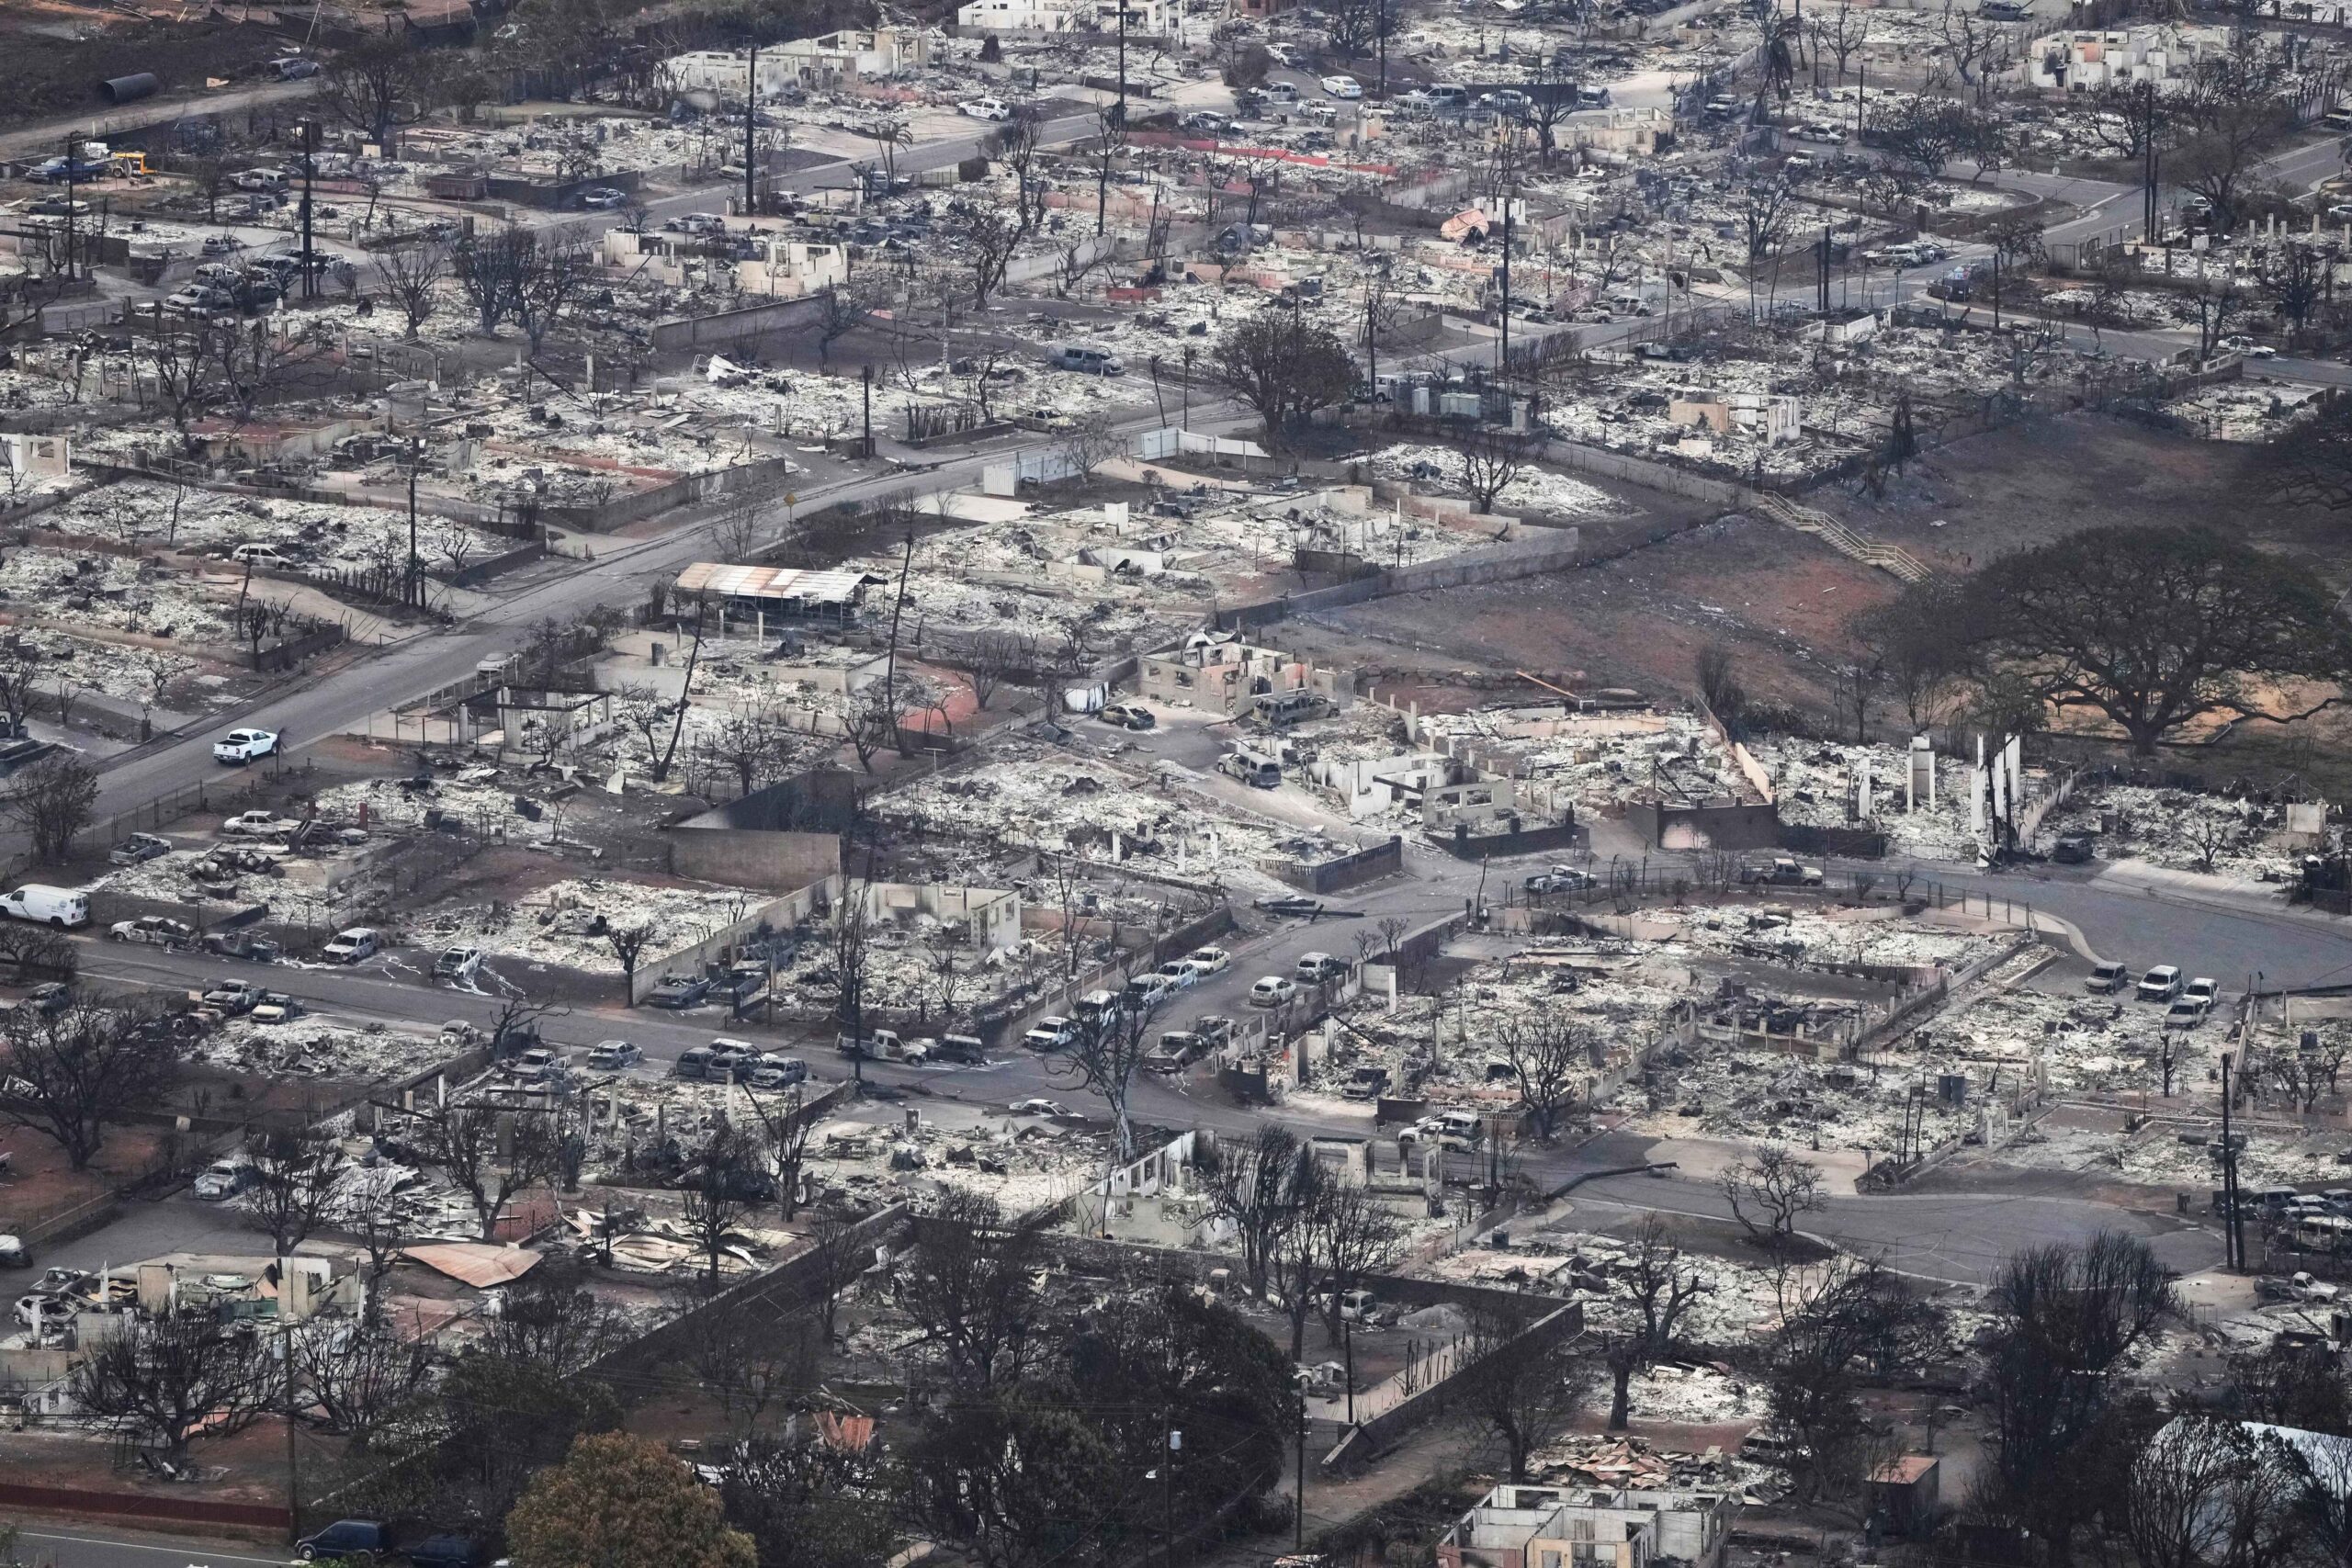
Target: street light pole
<point x="750" y="135"/>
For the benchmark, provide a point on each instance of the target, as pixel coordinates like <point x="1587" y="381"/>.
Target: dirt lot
<point x="1637" y="621"/>
<point x="66" y="50"/>
<point x="39" y="1183"/>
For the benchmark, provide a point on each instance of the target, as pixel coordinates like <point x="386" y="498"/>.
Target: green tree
<point x="1283" y="368"/>
<point x="618" y="1501"/>
<point x="2156" y="628"/>
<point x="1013" y="1485"/>
<point x="809" y="1505"/>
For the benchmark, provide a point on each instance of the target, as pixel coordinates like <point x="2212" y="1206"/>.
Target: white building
<point x="1569" y="1527"/>
<point x="2079" y="61"/>
<point x="832" y="61"/>
<point x="1144" y="17"/>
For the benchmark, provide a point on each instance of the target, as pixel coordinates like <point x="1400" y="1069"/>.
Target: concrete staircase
<point x="1893" y="559"/>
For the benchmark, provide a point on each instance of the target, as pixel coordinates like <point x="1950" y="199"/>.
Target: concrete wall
<point x="775" y="914"/>
<point x="1552" y="550"/>
<point x="1579" y="459"/>
<point x="753" y="857"/>
<point x="1351" y="871"/>
<point x="1552" y="839"/>
<point x="734" y="326"/>
<point x="1705" y="827"/>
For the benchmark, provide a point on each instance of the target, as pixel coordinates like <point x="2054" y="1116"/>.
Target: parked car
<point x="1087" y="360"/>
<point x="1365" y="1083"/>
<point x="1313" y="968"/>
<point x="2072" y="849"/>
<point x="2108" y="978"/>
<point x="679" y="991"/>
<point x="2185" y="1012"/>
<point x="223" y="1180"/>
<point x="155" y="930"/>
<point x="611" y="1055"/>
<point x="233" y="995"/>
<point x="2161" y="983"/>
<point x="1176" y="974"/>
<point x="457" y="963"/>
<point x="1209" y="960"/>
<point x="443" y="1551"/>
<point x="353" y="946"/>
<point x="1051" y="1034"/>
<point x="1273" y="991"/>
<point x="602" y="198"/>
<point x="63" y="908"/>
<point x="769" y="1070"/>
<point x="2204" y="988"/>
<point x="986" y="108"/>
<point x="1038" y="1108"/>
<point x="258" y="823"/>
<point x="240" y="746"/>
<point x="1780" y="870"/>
<point x="1129" y="716"/>
<point x="538" y="1062"/>
<point x="198" y="299"/>
<point x="139" y="848"/>
<point x="345" y="1537"/>
<point x="1343" y="86"/>
<point x="277" y="1007"/>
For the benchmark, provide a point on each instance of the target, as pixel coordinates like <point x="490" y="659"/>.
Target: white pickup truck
<point x="257" y="824"/>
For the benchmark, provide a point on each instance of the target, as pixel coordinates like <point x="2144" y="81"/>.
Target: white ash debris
<point x="473" y="799"/>
<point x="2084" y="1043"/>
<point x="319" y="1048"/>
<point x="142" y="512"/>
<point x="1025" y="1166"/>
<point x="565" y="923"/>
<point x="1798" y="934"/>
<point x="1535" y="490"/>
<point x="1817" y="784"/>
<point x="108" y="593"/>
<point x="235" y="875"/>
<point x="1601" y="759"/>
<point x="1036" y="798"/>
<point x="2175" y="830"/>
<point x="2183" y="1152"/>
<point x="146" y="676"/>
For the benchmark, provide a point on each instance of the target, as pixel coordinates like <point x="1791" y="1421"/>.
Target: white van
<point x="353" y="946"/>
<point x="61" y="907"/>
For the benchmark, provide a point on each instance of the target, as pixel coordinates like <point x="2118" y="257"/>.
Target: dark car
<point x="444" y="1551"/>
<point x="345" y="1537"/>
<point x="2071" y="850"/>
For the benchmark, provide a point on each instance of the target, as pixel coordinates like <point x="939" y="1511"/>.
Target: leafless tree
<point x="787" y="1122"/>
<point x="360" y="1376"/>
<point x="1103" y="1056"/>
<point x="1663" y="1285"/>
<point x="721" y="1189"/>
<point x="836" y="1259"/>
<point x="381" y="84"/>
<point x="489" y="270"/>
<point x="295" y="1171"/>
<point x="410" y="276"/>
<point x="1552" y="1058"/>
<point x="489" y="1155"/>
<point x="53" y="800"/>
<point x="164" y="1380"/>
<point x="1252" y="1184"/>
<point x="989" y="239"/>
<point x="997" y="656"/>
<point x="83" y="1069"/>
<point x="968" y="1287"/>
<point x="1518" y="1384"/>
<point x="1770" y="1191"/>
<point x="852" y="947"/>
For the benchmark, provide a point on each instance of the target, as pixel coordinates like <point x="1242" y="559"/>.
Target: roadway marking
<point x="180" y="1551"/>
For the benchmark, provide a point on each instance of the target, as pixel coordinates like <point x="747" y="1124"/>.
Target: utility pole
<point x="415" y="459"/>
<point x="1371" y="345"/>
<point x="868" y="379"/>
<point x="1119" y="114"/>
<point x="293" y="1470"/>
<point x="1825" y="269"/>
<point x="1502" y="366"/>
<point x="309" y="157"/>
<point x="1380" y="35"/>
<point x="751" y="130"/>
<point x="2234" y="1236"/>
<point x="1298" y="1531"/>
<point x="1188" y="386"/>
<point x="1167" y="1492"/>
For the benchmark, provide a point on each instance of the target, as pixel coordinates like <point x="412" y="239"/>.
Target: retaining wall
<point x="1553" y="550"/>
<point x="733" y="326"/>
<point x="1349" y="871"/>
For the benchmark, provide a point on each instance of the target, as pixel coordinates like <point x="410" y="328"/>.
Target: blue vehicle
<point x="57" y="171"/>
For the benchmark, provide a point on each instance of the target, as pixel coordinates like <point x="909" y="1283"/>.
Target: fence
<point x="1407" y="1400"/>
<point x="1552" y="550"/>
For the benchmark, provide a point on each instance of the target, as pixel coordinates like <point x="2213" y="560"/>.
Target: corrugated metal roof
<point x="771" y="582"/>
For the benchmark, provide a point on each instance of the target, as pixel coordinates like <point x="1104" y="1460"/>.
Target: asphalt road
<point x="89" y="1546"/>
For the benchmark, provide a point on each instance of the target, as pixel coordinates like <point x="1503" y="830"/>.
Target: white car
<point x="2240" y="343"/>
<point x="1038" y="1108"/>
<point x="1209" y="960"/>
<point x="1273" y="991"/>
<point x="223" y="1178"/>
<point x="1343" y="86"/>
<point x="242" y="746"/>
<point x="457" y="963"/>
<point x="259" y="555"/>
<point x="1176" y="974"/>
<point x="987" y="109"/>
<point x="2161" y="983"/>
<point x="604" y="199"/>
<point x="1051" y="1034"/>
